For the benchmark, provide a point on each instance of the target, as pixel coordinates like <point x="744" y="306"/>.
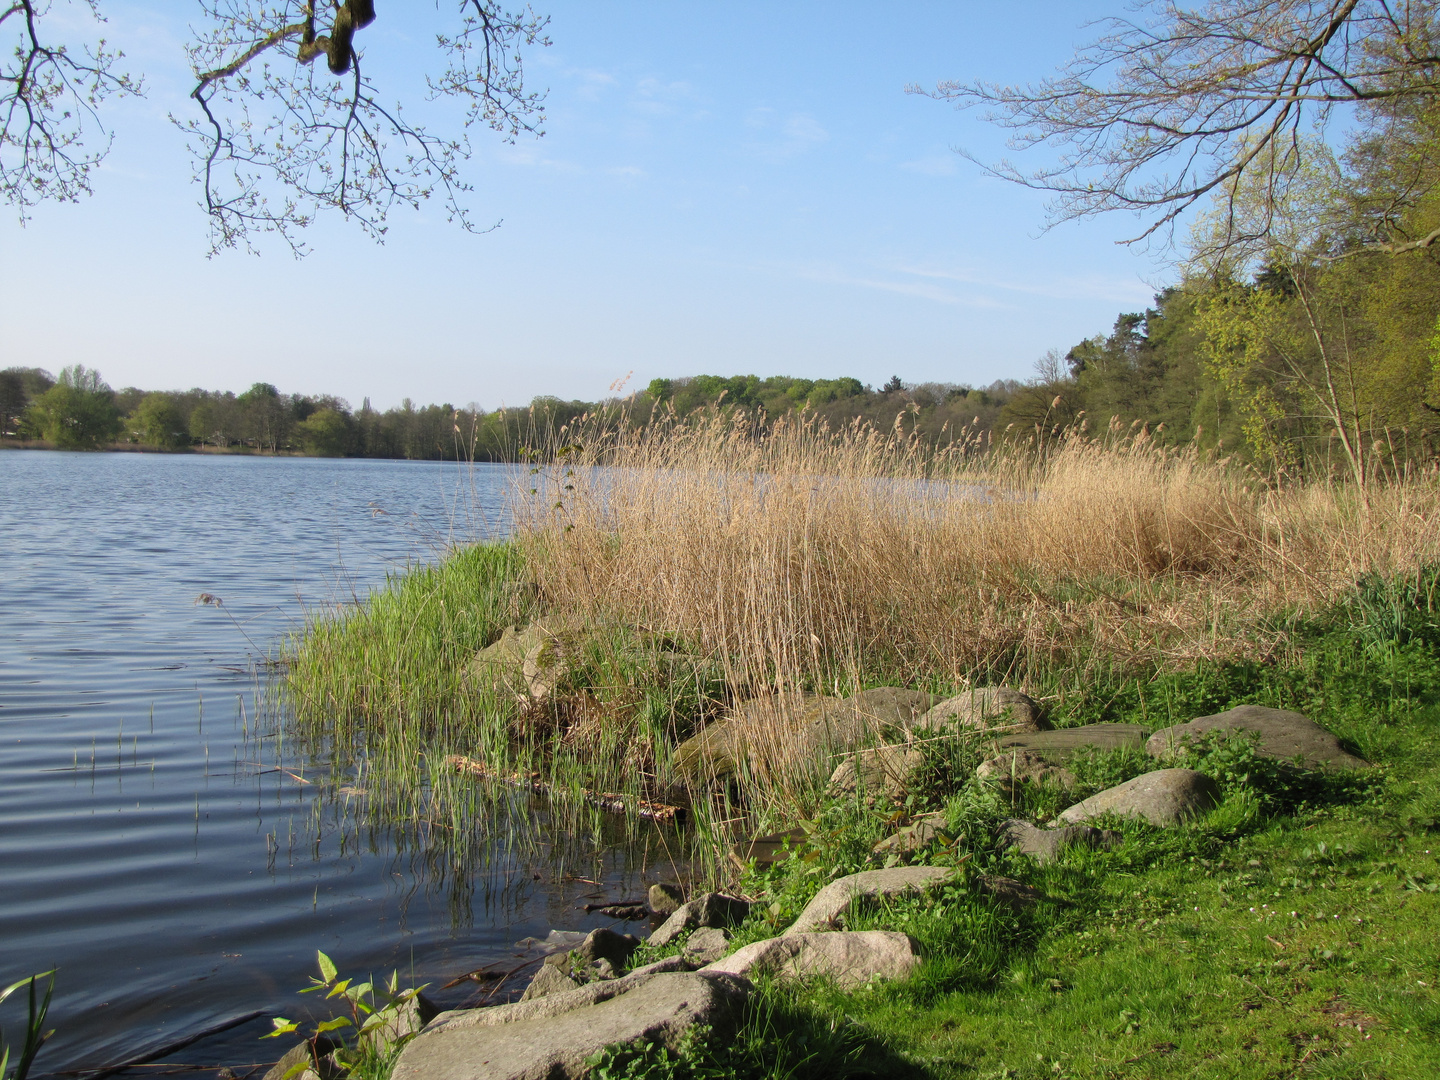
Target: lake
<point x="162" y="843"/>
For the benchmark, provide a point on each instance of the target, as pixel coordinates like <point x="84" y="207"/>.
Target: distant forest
<point x="1331" y="367"/>
<point x="77" y="410"/>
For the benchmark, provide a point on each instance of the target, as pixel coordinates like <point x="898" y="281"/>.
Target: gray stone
<point x="297" y="1055"/>
<point x="664" y="899"/>
<point x="913" y="836"/>
<point x="884" y="771"/>
<point x="1047" y="845"/>
<point x="710" y="909"/>
<point x="707" y="944"/>
<point x="840" y="725"/>
<point x="605" y="944"/>
<point x="1164" y="797"/>
<point x="719" y="748"/>
<point x="562" y="1001"/>
<point x="851" y="959"/>
<point x="988" y="708"/>
<point x="1056" y="746"/>
<point x="830" y="903"/>
<point x="808" y="723"/>
<point x="550" y="979"/>
<point x="557" y="1046"/>
<point x="1009" y="770"/>
<point x="1282" y="734"/>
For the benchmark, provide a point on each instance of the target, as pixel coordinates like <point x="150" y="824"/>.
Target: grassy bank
<point x="676" y="572"/>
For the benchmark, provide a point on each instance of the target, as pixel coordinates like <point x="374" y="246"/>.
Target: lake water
<point x="158" y="842"/>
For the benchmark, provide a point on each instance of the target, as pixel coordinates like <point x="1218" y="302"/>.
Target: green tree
<point x="78" y="412"/>
<point x="159" y="422"/>
<point x="324" y="433"/>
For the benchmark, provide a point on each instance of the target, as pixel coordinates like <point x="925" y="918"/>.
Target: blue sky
<point x="736" y="188"/>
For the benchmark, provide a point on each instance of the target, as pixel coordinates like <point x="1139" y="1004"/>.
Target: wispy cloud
<point x="935" y="165"/>
<point x="1121" y="290"/>
<point x="924" y="290"/>
<point x="783" y="135"/>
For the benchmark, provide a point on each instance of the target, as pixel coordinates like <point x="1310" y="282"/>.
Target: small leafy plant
<point x="35" y="1033"/>
<point x="379" y="1030"/>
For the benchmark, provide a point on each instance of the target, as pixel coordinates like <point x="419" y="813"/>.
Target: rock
<point x="605" y="944"/>
<point x="885" y="771"/>
<point x="526" y="663"/>
<point x="1282" y="734"/>
<point x="1046" y="845"/>
<point x="720" y="747"/>
<point x="842" y="725"/>
<point x="551" y="1047"/>
<point x="298" y="1054"/>
<point x="985" y="709"/>
<point x="784" y="727"/>
<point x="830" y="903"/>
<point x="711" y="909"/>
<point x="1056" y="746"/>
<point x="664" y="899"/>
<point x="602" y="969"/>
<point x="1015" y="895"/>
<point x="1015" y="767"/>
<point x="1164" y="797"/>
<point x="851" y="959"/>
<point x="707" y="944"/>
<point x="913" y="836"/>
<point x="561" y="1001"/>
<point x="550" y="979"/>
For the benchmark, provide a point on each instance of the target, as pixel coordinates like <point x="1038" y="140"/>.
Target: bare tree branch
<point x="51" y="136"/>
<point x="1162" y="112"/>
<point x="280" y="141"/>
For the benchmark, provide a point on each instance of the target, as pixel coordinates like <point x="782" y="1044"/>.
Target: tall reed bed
<point x="686" y="565"/>
<point x="807" y="558"/>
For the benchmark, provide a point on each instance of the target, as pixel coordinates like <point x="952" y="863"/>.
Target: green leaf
<point x="338" y="989"/>
<point x="332" y="1024"/>
<point x="282" y="1027"/>
<point x="327" y="967"/>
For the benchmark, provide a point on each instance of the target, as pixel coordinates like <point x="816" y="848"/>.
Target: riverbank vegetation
<point x="660" y="579"/>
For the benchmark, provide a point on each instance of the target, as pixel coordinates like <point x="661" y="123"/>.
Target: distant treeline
<point x="77" y="410"/>
<point x="1330" y="367"/>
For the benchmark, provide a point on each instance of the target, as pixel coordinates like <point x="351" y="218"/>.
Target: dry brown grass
<point x="805" y="557"/>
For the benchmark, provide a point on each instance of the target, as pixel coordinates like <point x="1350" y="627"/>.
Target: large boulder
<point x="710" y="909"/>
<point x="550" y="979"/>
<point x="722" y="746"/>
<point x="1047" y="845"/>
<point x="831" y="903"/>
<point x="1013" y="768"/>
<point x="556" y="1047"/>
<point x="1164" y="797"/>
<point x="605" y="944"/>
<point x="791" y="726"/>
<point x="525" y="663"/>
<point x="1056" y="746"/>
<point x="1281" y="734"/>
<point x="850" y="959"/>
<point x="989" y="708"/>
<point x="885" y="771"/>
<point x="914" y="836"/>
<point x="663" y="899"/>
<point x="706" y="945"/>
<point x="841" y="725"/>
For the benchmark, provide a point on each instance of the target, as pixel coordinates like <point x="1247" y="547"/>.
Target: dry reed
<point x="807" y="558"/>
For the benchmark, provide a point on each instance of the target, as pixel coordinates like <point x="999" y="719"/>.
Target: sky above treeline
<point x="722" y="188"/>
